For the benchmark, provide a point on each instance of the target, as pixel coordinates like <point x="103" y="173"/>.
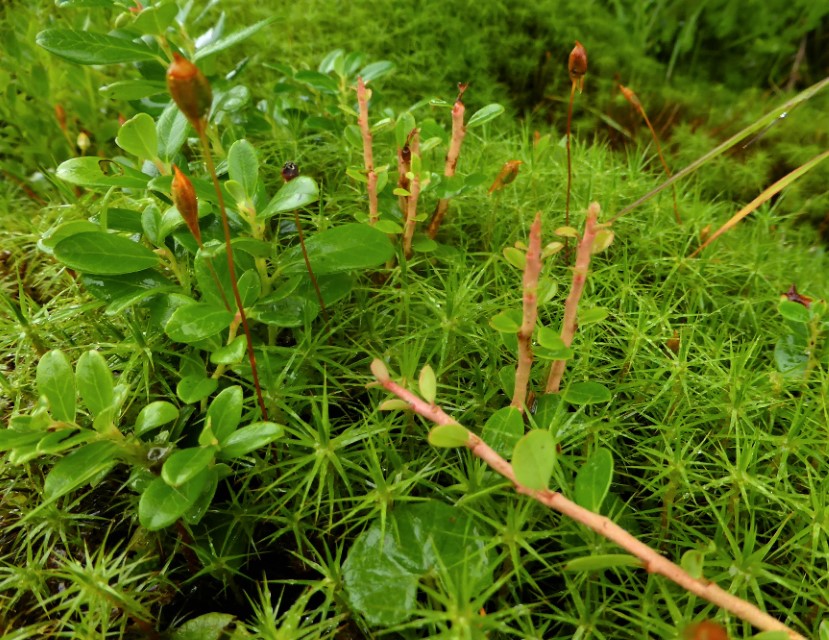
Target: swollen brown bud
<point x="184" y="197"/>
<point x="577" y="65"/>
<point x="189" y="89"/>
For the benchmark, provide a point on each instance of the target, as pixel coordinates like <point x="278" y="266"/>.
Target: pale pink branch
<point x="532" y="271"/>
<point x="651" y="560"/>
<point x="570" y="323"/>
<point x="452" y="155"/>
<point x="368" y="154"/>
<point x="411" y="202"/>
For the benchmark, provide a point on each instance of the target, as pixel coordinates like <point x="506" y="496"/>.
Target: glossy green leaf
<point x="448" y="436"/>
<point x="320" y="82"/>
<point x="250" y="287"/>
<point x="386" y="561"/>
<point x="54" y="235"/>
<point x="171" y="131"/>
<point x="102" y="253"/>
<point x="154" y="415"/>
<point x="428" y="384"/>
<point x="155" y="19"/>
<point x="292" y="311"/>
<point x="192" y="389"/>
<point x="198" y="321"/>
<point x="56" y="381"/>
<point x="94" y="172"/>
<point x="508" y="321"/>
<point x="225" y="412"/>
<point x="243" y="166"/>
<point x="233" y="39"/>
<point x="793" y="311"/>
<point x="484" y="115"/>
<point x="602" y="562"/>
<point x="62" y="440"/>
<point x="693" y="562"/>
<point x="94" y="382"/>
<point x="346" y="248"/>
<point x="594" y="314"/>
<point x="127" y="90"/>
<point x="232" y="353"/>
<point x="185" y="464"/>
<point x="533" y="459"/>
<point x="593" y="480"/>
<point x="504" y="429"/>
<point x="161" y="505"/>
<point x="298" y="193"/>
<point x="138" y="136"/>
<point x="771" y="635"/>
<point x="12" y="438"/>
<point x="87" y="47"/>
<point x="79" y="467"/>
<point x="791" y="356"/>
<point x="582" y="393"/>
<point x="249" y="438"/>
<point x="376" y="70"/>
<point x="125" y="290"/>
<point x="515" y="257"/>
<point x="209" y="626"/>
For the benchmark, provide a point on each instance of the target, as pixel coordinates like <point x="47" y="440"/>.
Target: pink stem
<point x="532" y="271"/>
<point x="368" y="155"/>
<point x="570" y="323"/>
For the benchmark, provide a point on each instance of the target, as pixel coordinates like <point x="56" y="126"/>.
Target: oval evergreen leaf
<point x="533" y="459"/>
<point x="79" y="467"/>
<point x="586" y="393"/>
<point x="593" y="480"/>
<point x="104" y="254"/>
<point x="602" y="562"/>
<point x="161" y="505"/>
<point x="56" y="381"/>
<point x="448" y="436"/>
<point x="249" y="438"/>
<point x="484" y="115"/>
<point x="86" y="47"/>
<point x="346" y="248"/>
<point x="94" y="381"/>
<point x="298" y="193"/>
<point x="194" y="322"/>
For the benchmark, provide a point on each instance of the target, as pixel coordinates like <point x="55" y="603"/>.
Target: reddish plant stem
<point x="231" y="267"/>
<point x="570" y="323"/>
<point x="404" y="165"/>
<point x="631" y="97"/>
<point x="452" y="155"/>
<point x="651" y="560"/>
<point x="368" y="154"/>
<point x="308" y="266"/>
<point x="532" y="271"/>
<point x="411" y="202"/>
<point x="569" y="161"/>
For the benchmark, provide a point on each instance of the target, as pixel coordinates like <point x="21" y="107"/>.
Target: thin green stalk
<point x="754" y="127"/>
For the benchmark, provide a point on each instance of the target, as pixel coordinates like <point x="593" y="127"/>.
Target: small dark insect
<point x="289" y="171"/>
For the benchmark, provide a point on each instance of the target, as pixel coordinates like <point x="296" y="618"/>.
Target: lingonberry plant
<point x="232" y="244"/>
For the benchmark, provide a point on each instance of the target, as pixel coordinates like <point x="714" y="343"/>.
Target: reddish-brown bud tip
<point x="189" y="89"/>
<point x="60" y="115"/>
<point x="184" y="198"/>
<point x="706" y="631"/>
<point x="577" y="65"/>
